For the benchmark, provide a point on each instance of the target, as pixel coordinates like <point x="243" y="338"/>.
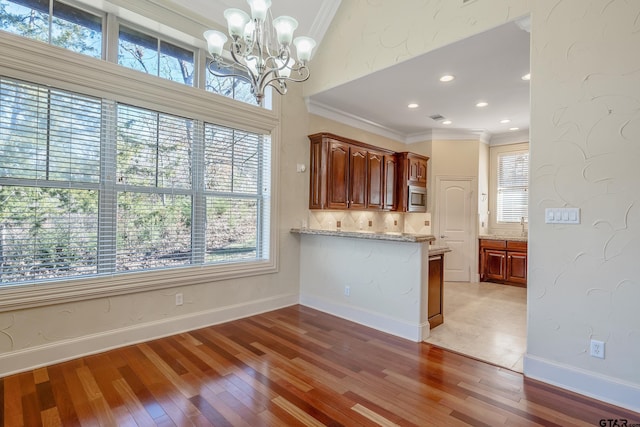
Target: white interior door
<point x="455" y="230"/>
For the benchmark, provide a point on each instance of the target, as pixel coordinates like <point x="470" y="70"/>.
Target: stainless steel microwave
<point x="417" y="199"/>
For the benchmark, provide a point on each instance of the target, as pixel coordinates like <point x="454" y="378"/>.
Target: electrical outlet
<point x="179" y="299"/>
<point x="347" y="291"/>
<point x="597" y="349"/>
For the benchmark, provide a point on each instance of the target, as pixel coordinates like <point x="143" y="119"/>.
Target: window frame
<point x="494" y="152"/>
<point x="83" y="8"/>
<point x="36" y="62"/>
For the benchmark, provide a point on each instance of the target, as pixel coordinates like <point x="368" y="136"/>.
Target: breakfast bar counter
<point x="377" y="279"/>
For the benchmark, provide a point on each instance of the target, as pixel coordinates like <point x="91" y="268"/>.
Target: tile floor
<point x="486" y="321"/>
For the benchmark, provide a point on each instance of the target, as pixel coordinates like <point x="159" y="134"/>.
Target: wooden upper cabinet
<point x="412" y="171"/>
<point x="338" y="175"/>
<point x="375" y="180"/>
<point x="417" y="167"/>
<point x="347" y="174"/>
<point x="318" y="176"/>
<point x="357" y="178"/>
<point x="390" y="182"/>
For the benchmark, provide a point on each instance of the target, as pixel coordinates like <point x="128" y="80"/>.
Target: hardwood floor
<point x="294" y="366"/>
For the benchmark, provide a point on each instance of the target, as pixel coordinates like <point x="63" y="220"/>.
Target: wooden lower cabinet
<point x="436" y="294"/>
<point x="517" y="267"/>
<point x="503" y="261"/>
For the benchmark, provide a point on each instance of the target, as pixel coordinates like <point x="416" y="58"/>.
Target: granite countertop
<point x="438" y="250"/>
<point x="512" y="237"/>
<point x="391" y="236"/>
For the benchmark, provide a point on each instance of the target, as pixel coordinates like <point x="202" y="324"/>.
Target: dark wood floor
<point x="294" y="366"/>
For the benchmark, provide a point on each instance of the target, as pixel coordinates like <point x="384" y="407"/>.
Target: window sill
<point x="17" y="297"/>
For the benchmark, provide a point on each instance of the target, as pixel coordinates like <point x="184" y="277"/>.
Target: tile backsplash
<point x="367" y="221"/>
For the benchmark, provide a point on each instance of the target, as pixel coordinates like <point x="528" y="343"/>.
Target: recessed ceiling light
<point x="505" y="121"/>
<point x="526" y="76"/>
<point x="446" y="78"/>
<point x="514" y="128"/>
<point x="413" y="105"/>
<point x="447" y="122"/>
<point x="482" y="104"/>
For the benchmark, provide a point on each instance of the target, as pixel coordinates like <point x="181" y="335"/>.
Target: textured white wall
<point x="387" y="281"/>
<point x="367" y="36"/>
<point x="585" y="145"/>
<point x="585" y="151"/>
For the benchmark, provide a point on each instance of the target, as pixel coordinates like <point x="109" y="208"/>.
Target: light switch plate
<point x="562" y="215"/>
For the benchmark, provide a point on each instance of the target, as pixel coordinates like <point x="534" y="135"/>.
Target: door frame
<point x="474" y="274"/>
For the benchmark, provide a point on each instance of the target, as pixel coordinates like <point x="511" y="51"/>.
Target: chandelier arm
<point x="280" y="88"/>
<point x="229" y="67"/>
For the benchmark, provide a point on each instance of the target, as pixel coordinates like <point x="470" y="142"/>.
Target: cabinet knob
<point x="442" y="236"/>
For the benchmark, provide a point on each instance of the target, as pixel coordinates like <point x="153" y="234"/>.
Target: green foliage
<point x="60" y="224"/>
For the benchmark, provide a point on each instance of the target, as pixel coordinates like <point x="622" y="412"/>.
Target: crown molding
<point x="358" y="122"/>
<point x="510" y="137"/>
<point x="458" y="135"/>
<point x="328" y="9"/>
<point x="352" y="120"/>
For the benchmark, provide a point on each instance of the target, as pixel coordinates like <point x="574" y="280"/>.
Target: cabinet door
<point x="317" y="176"/>
<point x="495" y="264"/>
<point x="390" y="182"/>
<point x="375" y="180"/>
<point x="421" y="166"/>
<point x="413" y="169"/>
<point x="434" y="303"/>
<point x="358" y="178"/>
<point x="417" y="169"/>
<point x="338" y="175"/>
<point x="517" y="267"/>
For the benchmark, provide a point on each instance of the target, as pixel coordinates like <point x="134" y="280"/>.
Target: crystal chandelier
<point x="260" y="50"/>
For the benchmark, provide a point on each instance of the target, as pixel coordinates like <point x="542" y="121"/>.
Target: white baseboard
<point x="60" y="351"/>
<point x="606" y="389"/>
<point x="414" y="332"/>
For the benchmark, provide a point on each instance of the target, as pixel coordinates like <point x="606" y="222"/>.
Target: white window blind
<point x="237" y="193"/>
<point x="513" y="187"/>
<point x="154" y="194"/>
<point x="91" y="187"/>
<point x="49" y="182"/>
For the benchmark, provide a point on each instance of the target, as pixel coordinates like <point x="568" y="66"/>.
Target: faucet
<point x="523" y="232"/>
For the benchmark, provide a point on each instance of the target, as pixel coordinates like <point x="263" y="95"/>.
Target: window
<point x="90" y="187"/>
<point x="153" y="56"/>
<point x="67" y="26"/>
<point x="512" y="187"/>
<point x="154" y="196"/>
<point x="236" y="192"/>
<point x="49" y="181"/>
<point x="80" y="31"/>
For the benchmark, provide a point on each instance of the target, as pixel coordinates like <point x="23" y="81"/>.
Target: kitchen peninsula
<point x="380" y="280"/>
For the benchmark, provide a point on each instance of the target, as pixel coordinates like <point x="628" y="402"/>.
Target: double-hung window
<point x="512" y="187"/>
<point x="49" y="182"/>
<point x="92" y="187"/>
<point x="106" y="172"/>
